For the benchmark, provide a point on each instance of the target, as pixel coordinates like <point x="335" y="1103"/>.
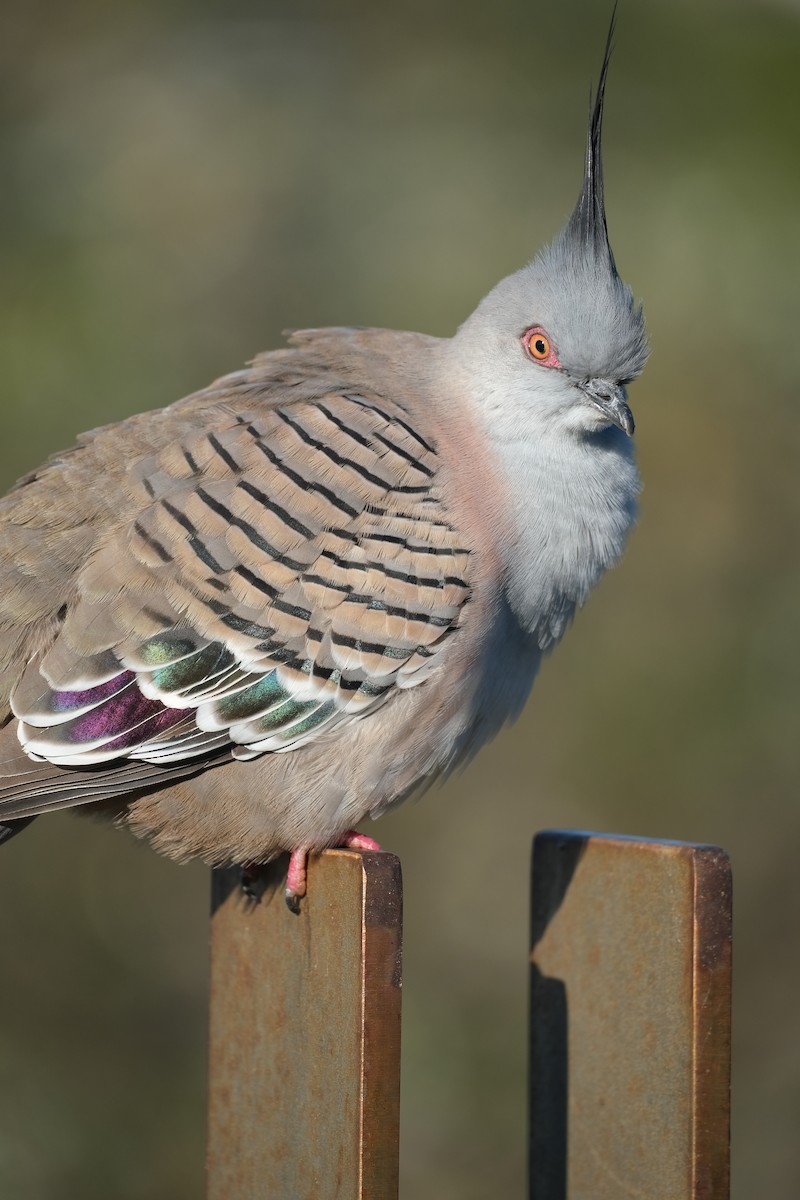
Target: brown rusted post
<point x="630" y="1019"/>
<point x="304" y="1071"/>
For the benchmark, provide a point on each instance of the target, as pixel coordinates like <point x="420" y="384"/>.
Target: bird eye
<point x="538" y="345"/>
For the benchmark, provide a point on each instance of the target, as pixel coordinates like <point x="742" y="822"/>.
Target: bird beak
<point x="612" y="400"/>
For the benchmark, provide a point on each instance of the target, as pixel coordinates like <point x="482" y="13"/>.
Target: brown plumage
<point x="286" y="519"/>
<point x="244" y="622"/>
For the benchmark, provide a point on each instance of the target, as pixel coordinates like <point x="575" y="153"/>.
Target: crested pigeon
<point x="241" y="624"/>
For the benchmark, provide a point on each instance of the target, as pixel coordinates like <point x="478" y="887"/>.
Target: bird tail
<point x="10" y="829"/>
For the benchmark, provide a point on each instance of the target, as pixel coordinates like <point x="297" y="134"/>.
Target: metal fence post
<point x="630" y="1019"/>
<point x="304" y="1070"/>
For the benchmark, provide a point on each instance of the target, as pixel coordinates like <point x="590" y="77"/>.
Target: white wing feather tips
<point x="398" y="647"/>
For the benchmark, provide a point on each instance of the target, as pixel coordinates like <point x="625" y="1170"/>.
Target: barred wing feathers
<point x="284" y="571"/>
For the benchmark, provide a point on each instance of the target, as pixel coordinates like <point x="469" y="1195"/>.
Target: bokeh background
<point x="181" y="180"/>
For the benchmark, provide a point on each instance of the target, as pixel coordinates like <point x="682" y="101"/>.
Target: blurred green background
<point x="180" y="182"/>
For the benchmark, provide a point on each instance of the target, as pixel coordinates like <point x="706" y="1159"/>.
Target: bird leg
<point x="251" y="882"/>
<point x="296" y="876"/>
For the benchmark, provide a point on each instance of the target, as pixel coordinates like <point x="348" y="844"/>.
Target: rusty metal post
<point x="630" y="1019"/>
<point x="304" y="1072"/>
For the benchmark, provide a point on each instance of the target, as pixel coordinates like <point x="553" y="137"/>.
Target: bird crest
<point x="587" y="225"/>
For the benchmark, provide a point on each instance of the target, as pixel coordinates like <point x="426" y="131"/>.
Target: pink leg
<point x="296" y="876"/>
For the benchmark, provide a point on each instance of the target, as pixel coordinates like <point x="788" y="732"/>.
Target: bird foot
<point x="296" y="876"/>
<point x="251" y="881"/>
<point x="353" y="840"/>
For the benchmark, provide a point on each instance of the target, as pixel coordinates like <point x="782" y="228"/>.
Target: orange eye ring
<point x="539" y="347"/>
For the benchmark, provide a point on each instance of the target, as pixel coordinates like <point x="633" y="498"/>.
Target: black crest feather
<point x="588" y="221"/>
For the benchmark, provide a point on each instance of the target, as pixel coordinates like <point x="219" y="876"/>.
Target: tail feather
<point x="10" y="829"/>
<point x="28" y="788"/>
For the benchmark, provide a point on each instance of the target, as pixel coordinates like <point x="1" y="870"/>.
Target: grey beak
<point x="612" y="400"/>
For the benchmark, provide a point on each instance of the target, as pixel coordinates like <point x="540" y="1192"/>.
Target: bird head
<point x="557" y="343"/>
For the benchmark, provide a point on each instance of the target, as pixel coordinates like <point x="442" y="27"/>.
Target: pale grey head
<point x="556" y="344"/>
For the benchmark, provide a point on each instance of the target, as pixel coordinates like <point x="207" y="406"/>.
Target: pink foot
<point x="296" y="876"/>
<point x="353" y="840"/>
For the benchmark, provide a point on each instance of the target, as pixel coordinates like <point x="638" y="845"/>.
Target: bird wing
<point x="282" y="572"/>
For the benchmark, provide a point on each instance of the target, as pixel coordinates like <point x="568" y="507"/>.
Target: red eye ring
<point x="539" y="347"/>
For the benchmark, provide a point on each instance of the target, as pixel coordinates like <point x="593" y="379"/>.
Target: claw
<point x="251" y="882"/>
<point x="296" y="876"/>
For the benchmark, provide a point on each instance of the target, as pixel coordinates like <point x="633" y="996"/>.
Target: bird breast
<point x="571" y="504"/>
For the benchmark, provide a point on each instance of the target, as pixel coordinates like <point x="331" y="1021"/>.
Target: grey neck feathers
<point x="572" y="503"/>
